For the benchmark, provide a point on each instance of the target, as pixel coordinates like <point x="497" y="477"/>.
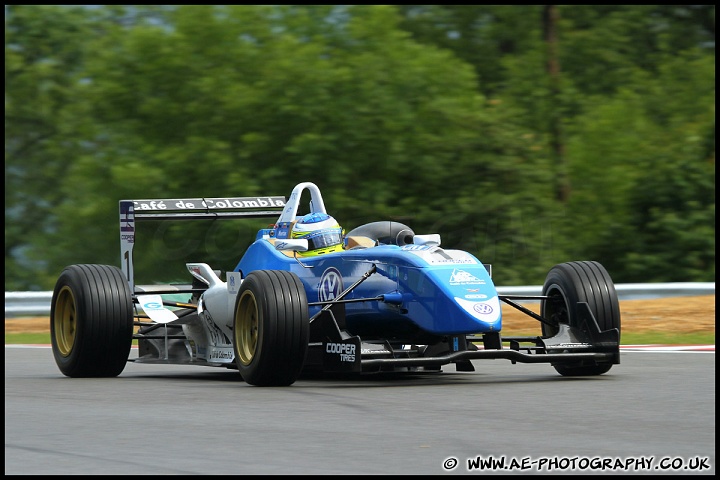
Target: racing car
<point x="307" y="296"/>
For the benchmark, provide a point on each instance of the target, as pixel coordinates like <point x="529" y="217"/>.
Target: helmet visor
<point x="324" y="238"/>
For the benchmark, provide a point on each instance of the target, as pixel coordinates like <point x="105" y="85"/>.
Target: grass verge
<point x="667" y="338"/>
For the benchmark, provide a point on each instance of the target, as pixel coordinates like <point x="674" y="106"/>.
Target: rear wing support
<point x="132" y="211"/>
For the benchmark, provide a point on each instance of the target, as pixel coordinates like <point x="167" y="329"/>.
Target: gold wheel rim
<point x="65" y="321"/>
<point x="246" y="327"/>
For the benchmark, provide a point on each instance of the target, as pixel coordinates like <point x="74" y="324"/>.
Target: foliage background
<point x="528" y="135"/>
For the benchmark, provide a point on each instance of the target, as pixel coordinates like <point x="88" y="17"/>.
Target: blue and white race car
<point x="306" y="296"/>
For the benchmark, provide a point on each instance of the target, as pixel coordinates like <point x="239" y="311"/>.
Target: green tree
<point x="243" y="100"/>
<point x="444" y="117"/>
<point x="44" y="51"/>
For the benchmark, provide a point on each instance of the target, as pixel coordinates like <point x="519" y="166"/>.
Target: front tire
<point x="91" y="321"/>
<point x="271" y="328"/>
<point x="573" y="282"/>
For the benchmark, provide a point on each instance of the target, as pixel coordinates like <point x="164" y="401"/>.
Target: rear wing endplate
<point x="132" y="211"/>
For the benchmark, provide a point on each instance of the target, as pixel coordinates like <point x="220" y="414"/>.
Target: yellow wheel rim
<point x="65" y="321"/>
<point x="246" y="327"/>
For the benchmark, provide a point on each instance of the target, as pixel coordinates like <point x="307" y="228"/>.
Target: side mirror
<point x="293" y="244"/>
<point x="432" y="239"/>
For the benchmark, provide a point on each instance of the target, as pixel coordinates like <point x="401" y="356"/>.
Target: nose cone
<point x="487" y="312"/>
<point x="459" y="299"/>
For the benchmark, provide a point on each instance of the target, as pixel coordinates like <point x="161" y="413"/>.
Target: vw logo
<point x="330" y="285"/>
<point x="482" y="308"/>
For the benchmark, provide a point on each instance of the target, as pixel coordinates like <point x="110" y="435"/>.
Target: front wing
<point x="573" y="346"/>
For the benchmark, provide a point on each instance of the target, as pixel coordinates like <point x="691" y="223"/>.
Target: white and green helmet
<point x="323" y="233"/>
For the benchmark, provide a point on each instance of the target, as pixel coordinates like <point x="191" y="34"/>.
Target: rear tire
<point x="91" y="321"/>
<point x="271" y="328"/>
<point x="573" y="282"/>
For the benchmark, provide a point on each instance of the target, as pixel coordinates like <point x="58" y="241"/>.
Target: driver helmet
<point x="323" y="233"/>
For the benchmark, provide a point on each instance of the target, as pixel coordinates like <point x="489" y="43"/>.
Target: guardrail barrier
<point x="37" y="304"/>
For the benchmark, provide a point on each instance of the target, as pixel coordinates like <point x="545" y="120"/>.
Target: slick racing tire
<point x="271" y="329"/>
<point x="573" y="282"/>
<point x="91" y="321"/>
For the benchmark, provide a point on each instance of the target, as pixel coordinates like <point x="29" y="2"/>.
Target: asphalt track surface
<point x="653" y="411"/>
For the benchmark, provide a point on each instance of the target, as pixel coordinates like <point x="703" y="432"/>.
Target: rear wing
<point x="132" y="211"/>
